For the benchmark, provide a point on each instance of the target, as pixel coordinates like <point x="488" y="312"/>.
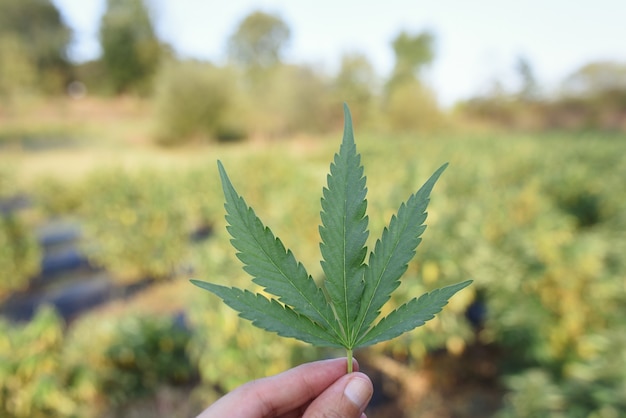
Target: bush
<point x="197" y="101"/>
<point x="33" y="380"/>
<point x="229" y="352"/>
<point x="411" y="107"/>
<point x="99" y="364"/>
<point x="20" y="254"/>
<point x="20" y="258"/>
<point x="134" y="225"/>
<point x="146" y="352"/>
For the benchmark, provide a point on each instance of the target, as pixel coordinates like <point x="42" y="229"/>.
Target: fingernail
<point x="359" y="392"/>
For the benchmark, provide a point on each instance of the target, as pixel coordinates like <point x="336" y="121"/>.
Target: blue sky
<point x="478" y="41"/>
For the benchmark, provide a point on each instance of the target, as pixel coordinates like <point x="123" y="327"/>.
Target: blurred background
<point x="113" y="113"/>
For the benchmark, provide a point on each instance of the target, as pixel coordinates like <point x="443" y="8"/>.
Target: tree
<point x="595" y="78"/>
<point x="256" y="48"/>
<point x="259" y="41"/>
<point x="596" y="95"/>
<point x="33" y="39"/>
<point x="413" y="53"/>
<point x="354" y="84"/>
<point x="18" y="72"/>
<point x="131" y="52"/>
<point x="529" y="87"/>
<point x="410" y="105"/>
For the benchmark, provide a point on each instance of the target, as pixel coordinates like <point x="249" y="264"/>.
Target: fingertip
<point x="359" y="390"/>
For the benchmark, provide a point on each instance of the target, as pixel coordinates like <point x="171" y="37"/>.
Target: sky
<point x="477" y="41"/>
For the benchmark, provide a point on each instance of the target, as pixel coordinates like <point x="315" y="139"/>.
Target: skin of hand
<point x="321" y="389"/>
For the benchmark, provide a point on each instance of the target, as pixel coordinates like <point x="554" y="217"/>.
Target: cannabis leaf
<point x="340" y="313"/>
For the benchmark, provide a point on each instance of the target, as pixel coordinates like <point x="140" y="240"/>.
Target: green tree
<point x="18" y="73"/>
<point x="33" y="47"/>
<point x="256" y="48"/>
<point x="354" y="84"/>
<point x="131" y="52"/>
<point x="413" y="53"/>
<point x="529" y="87"/>
<point x="259" y="41"/>
<point x="595" y="78"/>
<point x="595" y="96"/>
<point x="410" y="105"/>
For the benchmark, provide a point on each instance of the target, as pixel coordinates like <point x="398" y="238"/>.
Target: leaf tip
<point x="348" y="133"/>
<point x="195" y="282"/>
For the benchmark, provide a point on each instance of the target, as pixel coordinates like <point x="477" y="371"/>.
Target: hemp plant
<point x="341" y="311"/>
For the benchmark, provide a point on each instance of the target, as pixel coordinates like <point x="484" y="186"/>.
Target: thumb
<point x="346" y="398"/>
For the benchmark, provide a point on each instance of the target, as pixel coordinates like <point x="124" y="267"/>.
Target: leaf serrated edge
<point x="271" y="315"/>
<point x="346" y="188"/>
<point x="398" y="224"/>
<point x="402" y="320"/>
<point x="314" y="304"/>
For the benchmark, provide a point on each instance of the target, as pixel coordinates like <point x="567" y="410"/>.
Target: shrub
<point x="146" y="352"/>
<point x="411" y="107"/>
<point x="33" y="381"/>
<point x="46" y="370"/>
<point x="20" y="257"/>
<point x="20" y="254"/>
<point x="134" y="225"/>
<point x="197" y="101"/>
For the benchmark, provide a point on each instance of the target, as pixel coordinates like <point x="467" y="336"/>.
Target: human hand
<point x="321" y="389"/>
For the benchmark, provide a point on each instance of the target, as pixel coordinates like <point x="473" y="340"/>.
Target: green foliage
<point x="20" y="256"/>
<point x="33" y="43"/>
<point x="591" y="98"/>
<point x="552" y="284"/>
<point x="145" y="352"/>
<point x="46" y="371"/>
<point x="259" y="41"/>
<point x="412" y="107"/>
<point x="228" y="355"/>
<point x="409" y="105"/>
<point x="282" y="99"/>
<point x="534" y="394"/>
<point x="33" y="382"/>
<point x="355" y="292"/>
<point x="413" y="53"/>
<point x="134" y="225"/>
<point x="594" y="387"/>
<point x="18" y="73"/>
<point x="355" y="84"/>
<point x="58" y="198"/>
<point x="197" y="101"/>
<point x="538" y="221"/>
<point x="596" y="78"/>
<point x="131" y="52"/>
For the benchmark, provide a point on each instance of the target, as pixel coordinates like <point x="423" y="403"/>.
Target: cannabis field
<point x="537" y="221"/>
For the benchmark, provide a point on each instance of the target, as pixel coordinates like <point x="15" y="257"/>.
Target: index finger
<point x="276" y="395"/>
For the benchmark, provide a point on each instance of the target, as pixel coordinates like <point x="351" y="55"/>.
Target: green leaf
<point x="270" y="315"/>
<point x="344" y="231"/>
<point x="269" y="263"/>
<point x="342" y="311"/>
<point x="411" y="315"/>
<point x="393" y="252"/>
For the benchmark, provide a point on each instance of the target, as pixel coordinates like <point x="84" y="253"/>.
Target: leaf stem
<point x="349" y="359"/>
